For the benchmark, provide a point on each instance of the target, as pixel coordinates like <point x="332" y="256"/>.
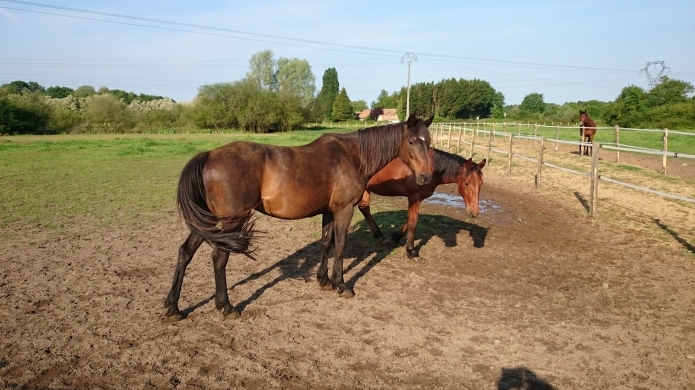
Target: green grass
<point x="115" y="180"/>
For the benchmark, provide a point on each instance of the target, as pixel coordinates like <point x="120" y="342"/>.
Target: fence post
<point x="665" y="149"/>
<point x="458" y="146"/>
<point x="540" y="163"/>
<point x="581" y="141"/>
<point x="616" y="131"/>
<point x="535" y="134"/>
<point x="509" y="161"/>
<point x="557" y="136"/>
<point x="494" y="125"/>
<point x="489" y="148"/>
<point x="448" y="142"/>
<point x="470" y="153"/>
<point x="519" y="127"/>
<point x="594" y="177"/>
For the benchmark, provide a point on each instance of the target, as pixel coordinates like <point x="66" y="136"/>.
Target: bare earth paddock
<point x="534" y="293"/>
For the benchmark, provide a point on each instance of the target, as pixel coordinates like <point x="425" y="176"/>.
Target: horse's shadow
<point x="521" y="378"/>
<point x="361" y="245"/>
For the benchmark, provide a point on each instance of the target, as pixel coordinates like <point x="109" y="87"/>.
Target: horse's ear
<point x="469" y="163"/>
<point x="412" y="119"/>
<point x="428" y="122"/>
<point x="482" y="164"/>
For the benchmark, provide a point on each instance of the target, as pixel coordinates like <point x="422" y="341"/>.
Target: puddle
<point x="441" y="199"/>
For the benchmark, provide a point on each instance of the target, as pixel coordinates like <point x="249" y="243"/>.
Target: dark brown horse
<point x="396" y="179"/>
<point x="588" y="126"/>
<point x="218" y="190"/>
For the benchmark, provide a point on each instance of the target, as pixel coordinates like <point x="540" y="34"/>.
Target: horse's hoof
<point x="173" y="316"/>
<point x="346" y="293"/>
<point x="231" y="315"/>
<point x="327" y="287"/>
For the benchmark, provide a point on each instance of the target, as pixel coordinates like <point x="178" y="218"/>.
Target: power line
<point x="324" y="45"/>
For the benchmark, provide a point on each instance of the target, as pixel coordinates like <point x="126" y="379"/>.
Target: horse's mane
<point x="380" y="144"/>
<point x="448" y="165"/>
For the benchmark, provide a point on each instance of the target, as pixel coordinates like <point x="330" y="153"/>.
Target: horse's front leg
<point x="413" y="211"/>
<point x="363" y="205"/>
<point x="186" y="252"/>
<point x="340" y="228"/>
<point x="326" y="239"/>
<point x="219" y="263"/>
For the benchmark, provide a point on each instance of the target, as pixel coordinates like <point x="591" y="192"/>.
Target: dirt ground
<point x="531" y="295"/>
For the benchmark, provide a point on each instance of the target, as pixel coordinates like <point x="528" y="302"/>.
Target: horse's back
<point x="284" y="182"/>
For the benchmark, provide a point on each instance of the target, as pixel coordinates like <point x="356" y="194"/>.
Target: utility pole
<point x="654" y="79"/>
<point x="408" y="57"/>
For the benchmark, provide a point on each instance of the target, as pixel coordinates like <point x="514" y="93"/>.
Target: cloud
<point x="13" y="19"/>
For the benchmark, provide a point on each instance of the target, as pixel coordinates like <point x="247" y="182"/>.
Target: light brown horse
<point x="396" y="179"/>
<point x="218" y="190"/>
<point x="588" y="126"/>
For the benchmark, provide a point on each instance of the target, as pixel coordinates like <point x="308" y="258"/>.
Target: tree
<point x="84" y="91"/>
<point x="262" y="70"/>
<point x="358" y="105"/>
<point x="669" y="91"/>
<point x="342" y="109"/>
<point x="58" y="92"/>
<point x="326" y="97"/>
<point x="25" y="113"/>
<point x="17" y="87"/>
<point x="107" y="114"/>
<point x="532" y="104"/>
<point x="384" y="100"/>
<point x="629" y="107"/>
<point x="498" y="106"/>
<point x="294" y="77"/>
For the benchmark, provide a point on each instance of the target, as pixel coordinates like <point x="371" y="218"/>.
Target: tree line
<point x="280" y="95"/>
<point x="666" y="105"/>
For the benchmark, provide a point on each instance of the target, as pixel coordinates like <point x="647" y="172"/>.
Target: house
<point x="364" y="114"/>
<point x="389" y="115"/>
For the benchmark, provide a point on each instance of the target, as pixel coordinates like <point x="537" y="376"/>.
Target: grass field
<point x="47" y="179"/>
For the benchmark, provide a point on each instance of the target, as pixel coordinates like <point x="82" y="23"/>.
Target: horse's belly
<point x="289" y="205"/>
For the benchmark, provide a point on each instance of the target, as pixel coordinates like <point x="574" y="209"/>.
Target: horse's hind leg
<point x="413" y="211"/>
<point x="340" y="228"/>
<point x="326" y="239"/>
<point x="186" y="252"/>
<point x="219" y="262"/>
<point x="363" y="205"/>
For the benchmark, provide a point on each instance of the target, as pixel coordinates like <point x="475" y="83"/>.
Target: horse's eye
<point x="411" y="142"/>
<point x="466" y="184"/>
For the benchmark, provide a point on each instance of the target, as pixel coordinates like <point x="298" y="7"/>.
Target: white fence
<point x="443" y="132"/>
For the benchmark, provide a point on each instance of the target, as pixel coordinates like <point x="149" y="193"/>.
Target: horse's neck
<point x="447" y="168"/>
<point x="378" y="146"/>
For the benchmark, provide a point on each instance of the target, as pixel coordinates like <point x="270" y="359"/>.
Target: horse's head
<point x="469" y="183"/>
<point x="582" y="117"/>
<point x="415" y="147"/>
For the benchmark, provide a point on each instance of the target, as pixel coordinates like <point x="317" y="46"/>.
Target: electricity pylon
<point x="653" y="79"/>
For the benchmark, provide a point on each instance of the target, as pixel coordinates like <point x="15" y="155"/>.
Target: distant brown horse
<point x="396" y="179"/>
<point x="218" y="190"/>
<point x="588" y="126"/>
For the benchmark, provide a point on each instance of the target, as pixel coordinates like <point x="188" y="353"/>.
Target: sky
<point x="567" y="51"/>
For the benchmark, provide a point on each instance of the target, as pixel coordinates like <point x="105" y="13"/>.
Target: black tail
<point x="233" y="233"/>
